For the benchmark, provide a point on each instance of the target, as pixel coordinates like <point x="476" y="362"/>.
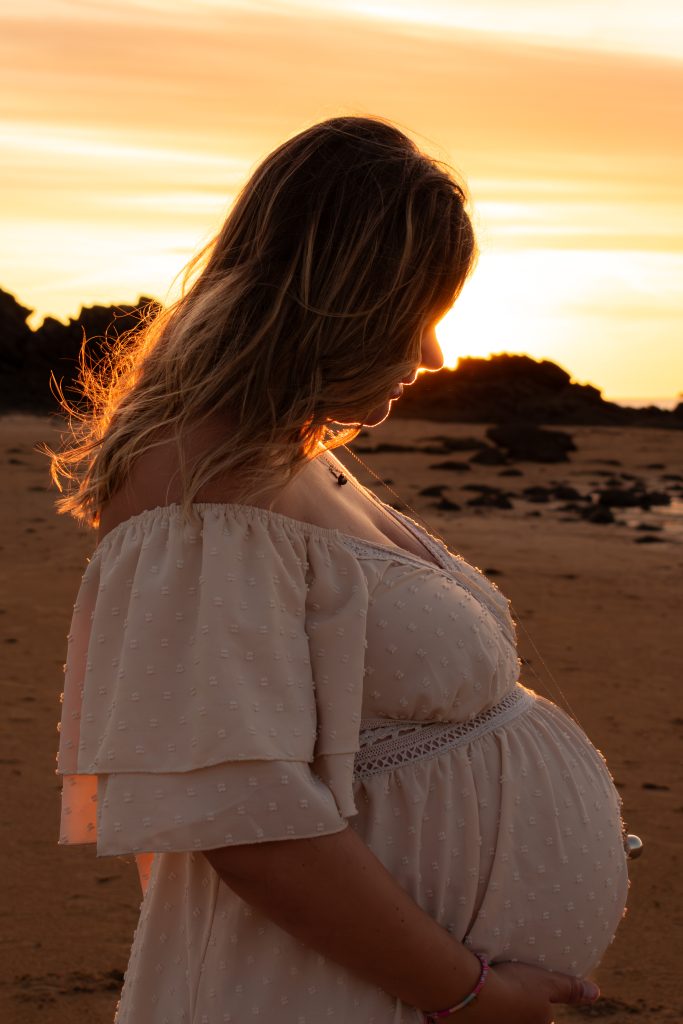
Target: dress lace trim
<point x="385" y="746"/>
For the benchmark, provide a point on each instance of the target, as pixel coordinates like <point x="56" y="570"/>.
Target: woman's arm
<point x="334" y="895"/>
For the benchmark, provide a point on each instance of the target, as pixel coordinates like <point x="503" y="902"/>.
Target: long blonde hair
<point x="343" y="245"/>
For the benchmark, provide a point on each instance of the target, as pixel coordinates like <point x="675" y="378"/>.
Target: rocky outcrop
<point x="516" y="388"/>
<point x="28" y="358"/>
<point x="15" y="339"/>
<point x="531" y="444"/>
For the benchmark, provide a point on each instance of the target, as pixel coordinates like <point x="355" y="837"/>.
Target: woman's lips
<point x="398" y="390"/>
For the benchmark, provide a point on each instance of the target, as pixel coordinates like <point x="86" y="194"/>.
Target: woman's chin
<point x="372" y="418"/>
<point x="377" y="415"/>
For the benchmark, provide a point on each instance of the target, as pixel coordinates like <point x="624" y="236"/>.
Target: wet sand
<point x="599" y="613"/>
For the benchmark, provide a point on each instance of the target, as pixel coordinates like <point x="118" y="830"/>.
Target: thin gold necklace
<point x="339" y="477"/>
<point x="342" y="479"/>
<point x="403" y="503"/>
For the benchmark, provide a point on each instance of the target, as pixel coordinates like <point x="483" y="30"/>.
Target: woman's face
<point x="431" y="358"/>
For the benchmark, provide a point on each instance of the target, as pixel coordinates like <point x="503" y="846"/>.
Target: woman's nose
<point x="431" y="355"/>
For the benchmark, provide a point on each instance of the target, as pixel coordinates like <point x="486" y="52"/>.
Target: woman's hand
<point x="517" y="993"/>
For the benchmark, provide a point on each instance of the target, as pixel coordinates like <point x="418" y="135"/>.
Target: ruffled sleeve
<point x="213" y="683"/>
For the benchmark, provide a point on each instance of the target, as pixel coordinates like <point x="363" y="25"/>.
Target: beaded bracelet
<point x="485" y="968"/>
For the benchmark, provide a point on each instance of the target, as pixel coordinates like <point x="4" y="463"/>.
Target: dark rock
<point x="385" y="446"/>
<point x="455" y="444"/>
<point x="490" y="456"/>
<point x="532" y="444"/>
<point x="15" y="333"/>
<point x="493" y="572"/>
<point x="635" y="497"/>
<point x="650" y="527"/>
<point x="565" y="493"/>
<point x="649" y="539"/>
<point x="651" y="498"/>
<point x="537" y="494"/>
<point x="433" y="492"/>
<point x="491" y="501"/>
<point x="482" y="488"/>
<point x="29" y="358"/>
<point x="508" y="386"/>
<point x="452" y="465"/>
<point x="598" y="514"/>
<point x="446" y="505"/>
<point x="486" y="390"/>
<point x="614" y="497"/>
<point x="511" y="472"/>
<point x="17" y="373"/>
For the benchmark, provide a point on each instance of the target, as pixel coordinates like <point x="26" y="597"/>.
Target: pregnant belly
<point x="509" y="833"/>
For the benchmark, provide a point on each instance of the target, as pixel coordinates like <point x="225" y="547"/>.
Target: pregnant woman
<point x="297" y="707"/>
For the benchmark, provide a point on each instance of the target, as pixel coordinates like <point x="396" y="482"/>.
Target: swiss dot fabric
<point x="218" y="676"/>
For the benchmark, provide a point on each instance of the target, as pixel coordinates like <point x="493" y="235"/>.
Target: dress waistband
<point x="386" y="744"/>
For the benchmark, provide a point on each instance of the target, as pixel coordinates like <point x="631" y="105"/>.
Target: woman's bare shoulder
<point x="147" y="486"/>
<point x="154" y="481"/>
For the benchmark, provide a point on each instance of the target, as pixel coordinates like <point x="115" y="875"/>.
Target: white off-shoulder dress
<point x="246" y="677"/>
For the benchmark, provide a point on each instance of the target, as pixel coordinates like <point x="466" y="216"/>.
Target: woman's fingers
<point x="566" y="989"/>
<point x="543" y="987"/>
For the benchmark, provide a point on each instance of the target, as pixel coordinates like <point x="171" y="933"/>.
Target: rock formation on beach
<point x="28" y="358"/>
<point x="503" y="389"/>
<point x="509" y="388"/>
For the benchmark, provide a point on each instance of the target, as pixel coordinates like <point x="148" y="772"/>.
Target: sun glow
<point x="559" y="304"/>
<point x="467" y="330"/>
<point x="124" y="147"/>
<point x="487" y="315"/>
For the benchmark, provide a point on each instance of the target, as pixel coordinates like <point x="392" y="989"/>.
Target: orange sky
<point x="127" y="127"/>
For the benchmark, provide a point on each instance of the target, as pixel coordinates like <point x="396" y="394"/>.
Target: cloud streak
<point x="147" y="117"/>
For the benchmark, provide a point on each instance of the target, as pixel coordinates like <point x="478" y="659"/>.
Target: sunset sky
<point x="127" y="128"/>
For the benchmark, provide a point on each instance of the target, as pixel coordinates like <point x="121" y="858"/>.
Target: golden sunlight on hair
<point x="287" y="320"/>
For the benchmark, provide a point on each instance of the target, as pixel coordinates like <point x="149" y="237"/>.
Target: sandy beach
<point x="599" y="613"/>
